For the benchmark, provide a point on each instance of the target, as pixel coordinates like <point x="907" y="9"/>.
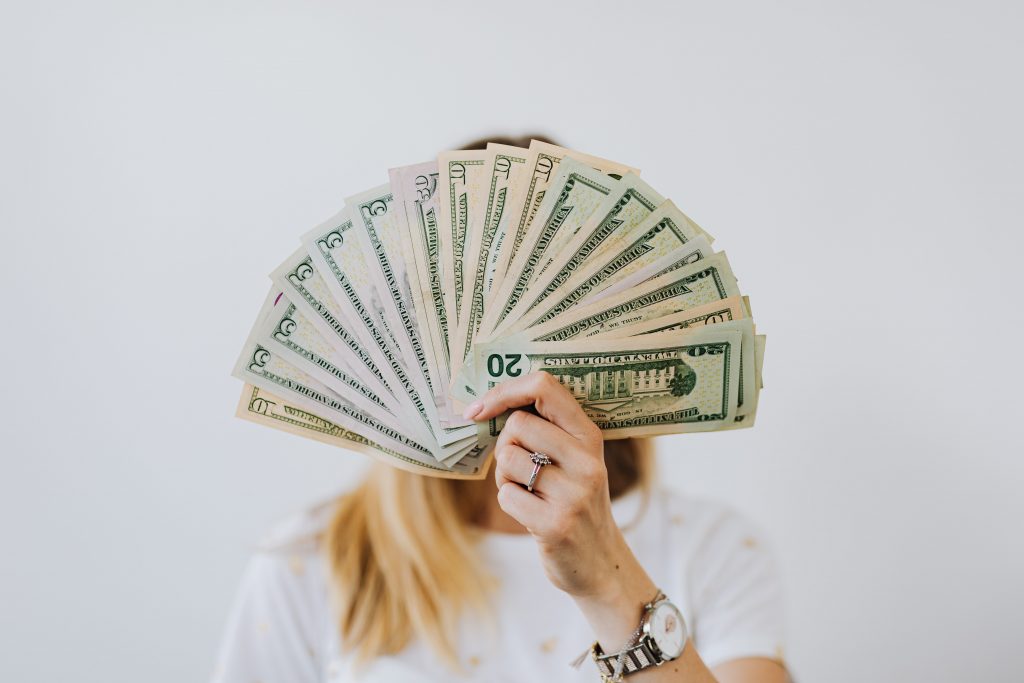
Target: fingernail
<point x="472" y="410"/>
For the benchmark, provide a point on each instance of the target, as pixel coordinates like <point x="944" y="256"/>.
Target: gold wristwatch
<point x="660" y="638"/>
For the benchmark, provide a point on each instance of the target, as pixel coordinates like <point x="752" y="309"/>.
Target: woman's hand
<point x="569" y="512"/>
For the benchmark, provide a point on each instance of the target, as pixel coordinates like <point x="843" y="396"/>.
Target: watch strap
<point x="634" y="659"/>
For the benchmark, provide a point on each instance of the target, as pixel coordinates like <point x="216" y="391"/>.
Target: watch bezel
<point x="648" y="636"/>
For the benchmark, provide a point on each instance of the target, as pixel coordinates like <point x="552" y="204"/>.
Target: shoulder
<point x="729" y="576"/>
<point x="288" y="559"/>
<point x="286" y="569"/>
<point x="703" y="525"/>
<point x="714" y="543"/>
<point x="298" y="532"/>
<point x="280" y="614"/>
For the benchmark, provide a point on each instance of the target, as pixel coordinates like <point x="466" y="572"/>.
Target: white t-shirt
<point x="713" y="564"/>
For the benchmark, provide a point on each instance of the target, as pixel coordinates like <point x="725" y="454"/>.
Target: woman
<point x="409" y="579"/>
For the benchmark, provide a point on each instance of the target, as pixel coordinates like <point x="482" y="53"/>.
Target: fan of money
<point x="485" y="265"/>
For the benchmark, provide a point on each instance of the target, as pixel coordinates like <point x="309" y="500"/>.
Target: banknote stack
<point x="485" y="265"/>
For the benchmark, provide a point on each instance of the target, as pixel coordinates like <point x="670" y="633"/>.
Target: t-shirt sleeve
<point x="275" y="628"/>
<point x="737" y="592"/>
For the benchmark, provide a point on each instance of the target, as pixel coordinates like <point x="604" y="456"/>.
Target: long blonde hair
<point x="402" y="556"/>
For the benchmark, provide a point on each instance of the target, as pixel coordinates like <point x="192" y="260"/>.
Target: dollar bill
<point x="575" y="193"/>
<point x="759" y="342"/>
<point x="700" y="316"/>
<point x="261" y="366"/>
<point x="526" y="194"/>
<point x="340" y="254"/>
<point x="746" y="398"/>
<point x="746" y="415"/>
<point x="289" y="332"/>
<point x="343" y="258"/>
<point x="300" y="279"/>
<point x="415" y="189"/>
<point x="663" y="232"/>
<point x="636" y="387"/>
<point x="502" y="163"/>
<point x="709" y="279"/>
<point x="264" y="368"/>
<point x="270" y="410"/>
<point x="628" y="237"/>
<point x="746" y="306"/>
<point x="409" y="227"/>
<point x="728" y="310"/>
<point x="307" y="289"/>
<point x="372" y="212"/>
<point x="632" y="201"/>
<point x="501" y="202"/>
<point x="463" y="175"/>
<point x="693" y="251"/>
<point x="483" y="265"/>
<point x="749" y="414"/>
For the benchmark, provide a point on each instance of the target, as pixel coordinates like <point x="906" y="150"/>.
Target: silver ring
<point x="539" y="460"/>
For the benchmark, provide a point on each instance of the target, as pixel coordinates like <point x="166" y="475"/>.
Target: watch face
<point x="668" y="630"/>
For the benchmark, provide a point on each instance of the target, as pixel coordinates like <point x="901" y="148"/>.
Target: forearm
<point x="614" y="614"/>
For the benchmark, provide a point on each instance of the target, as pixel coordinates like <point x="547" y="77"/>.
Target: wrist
<point x="614" y="611"/>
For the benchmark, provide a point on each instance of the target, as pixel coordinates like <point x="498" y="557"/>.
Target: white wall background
<point x="859" y="161"/>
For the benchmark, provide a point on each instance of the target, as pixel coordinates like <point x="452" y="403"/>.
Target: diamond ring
<point x="539" y="460"/>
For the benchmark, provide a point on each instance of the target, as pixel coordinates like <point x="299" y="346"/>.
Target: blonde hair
<point x="402" y="556"/>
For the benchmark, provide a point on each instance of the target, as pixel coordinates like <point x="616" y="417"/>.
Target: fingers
<point x="513" y="465"/>
<point x="534" y="433"/>
<point x="551" y="399"/>
<point x="529" y="510"/>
